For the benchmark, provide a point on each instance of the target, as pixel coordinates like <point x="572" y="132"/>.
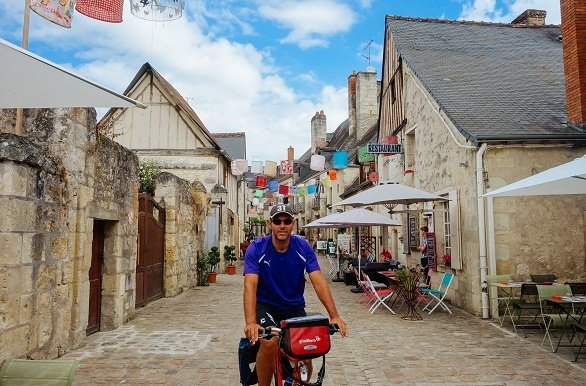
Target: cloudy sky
<point x="259" y="66"/>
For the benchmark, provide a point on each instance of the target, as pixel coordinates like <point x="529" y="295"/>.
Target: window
<point x="451" y="228"/>
<point x="393" y="92"/>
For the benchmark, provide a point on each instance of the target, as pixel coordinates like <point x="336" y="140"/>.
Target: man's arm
<point x="251" y="328"/>
<point x="320" y="285"/>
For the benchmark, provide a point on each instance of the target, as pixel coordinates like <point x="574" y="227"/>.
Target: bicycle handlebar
<point x="269" y="332"/>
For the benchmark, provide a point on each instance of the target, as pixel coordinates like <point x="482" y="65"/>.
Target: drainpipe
<point x="482" y="229"/>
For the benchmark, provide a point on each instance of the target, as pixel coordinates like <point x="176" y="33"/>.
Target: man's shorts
<point x="267" y="315"/>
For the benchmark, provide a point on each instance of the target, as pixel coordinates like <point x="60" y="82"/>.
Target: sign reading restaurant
<point x="388" y="148"/>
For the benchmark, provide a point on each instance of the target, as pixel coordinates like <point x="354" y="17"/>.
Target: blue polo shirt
<point x="281" y="280"/>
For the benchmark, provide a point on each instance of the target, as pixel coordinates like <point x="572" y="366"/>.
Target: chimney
<point x="318" y="131"/>
<point x="531" y="17"/>
<point x="574" y="46"/>
<point x="352" y="104"/>
<point x="366" y="109"/>
<point x="290" y="153"/>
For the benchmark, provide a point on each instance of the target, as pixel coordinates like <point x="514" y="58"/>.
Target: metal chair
<point x="528" y="304"/>
<point x="501" y="298"/>
<point x="438" y="295"/>
<point x="551" y="320"/>
<point x="543" y="279"/>
<point x="578" y="289"/>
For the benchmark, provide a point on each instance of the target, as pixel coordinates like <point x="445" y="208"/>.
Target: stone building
<point x="477" y="106"/>
<point x="67" y="235"/>
<point x="170" y="133"/>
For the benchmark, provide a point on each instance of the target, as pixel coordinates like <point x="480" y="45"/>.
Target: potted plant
<point x="230" y="258"/>
<point x="447" y="260"/>
<point x="213" y="258"/>
<point x="203" y="269"/>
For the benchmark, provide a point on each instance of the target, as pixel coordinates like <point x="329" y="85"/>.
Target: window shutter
<point x="455" y="236"/>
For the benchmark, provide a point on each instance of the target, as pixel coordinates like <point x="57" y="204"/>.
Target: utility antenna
<point x="365" y="47"/>
<point x="188" y="98"/>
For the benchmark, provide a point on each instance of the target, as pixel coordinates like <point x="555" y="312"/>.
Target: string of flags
<point x="61" y="12"/>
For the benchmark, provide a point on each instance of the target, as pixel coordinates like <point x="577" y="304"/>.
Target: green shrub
<point x="147" y="171"/>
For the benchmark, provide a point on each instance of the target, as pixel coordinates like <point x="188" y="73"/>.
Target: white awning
<point x="30" y="81"/>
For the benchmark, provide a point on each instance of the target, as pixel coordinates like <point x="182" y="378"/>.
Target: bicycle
<point x="300" y="339"/>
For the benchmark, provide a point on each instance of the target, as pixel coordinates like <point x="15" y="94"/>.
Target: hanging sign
<point x="430" y="251"/>
<point x="389" y="148"/>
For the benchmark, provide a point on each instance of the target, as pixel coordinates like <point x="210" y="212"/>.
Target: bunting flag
<point x="302" y="191"/>
<point x="284" y="189"/>
<point x="311" y="189"/>
<point x="270" y="168"/>
<point x="258" y="193"/>
<point x="273" y="186"/>
<point x="294" y="191"/>
<point x="340" y="160"/>
<point x="261" y="181"/>
<point x="325" y="180"/>
<point x="269" y="194"/>
<point x="256" y="167"/>
<point x="286" y="167"/>
<point x="317" y="163"/>
<point x="59" y="12"/>
<point x="333" y="174"/>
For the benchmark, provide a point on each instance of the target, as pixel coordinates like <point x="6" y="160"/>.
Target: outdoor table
<point x="409" y="292"/>
<point x="509" y="289"/>
<point x="571" y="310"/>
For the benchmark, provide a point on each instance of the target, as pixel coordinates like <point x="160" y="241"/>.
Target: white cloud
<point x="311" y="21"/>
<point x="487" y="10"/>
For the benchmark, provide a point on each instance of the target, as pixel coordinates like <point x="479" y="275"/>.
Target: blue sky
<point x="259" y="66"/>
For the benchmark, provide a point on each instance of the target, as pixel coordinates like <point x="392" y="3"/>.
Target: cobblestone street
<point x="192" y="340"/>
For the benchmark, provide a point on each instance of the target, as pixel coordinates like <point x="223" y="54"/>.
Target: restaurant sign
<point x="389" y="148"/>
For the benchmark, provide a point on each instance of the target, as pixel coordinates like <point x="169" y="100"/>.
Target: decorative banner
<point x="302" y="191"/>
<point x="258" y="193"/>
<point x="59" y="12"/>
<point x="261" y="181"/>
<point x="269" y="194"/>
<point x="284" y="189"/>
<point x="256" y="167"/>
<point x="240" y="166"/>
<point x="255" y="201"/>
<point x="235" y="169"/>
<point x="340" y="160"/>
<point x="286" y="167"/>
<point x="373" y="176"/>
<point x="364" y="156"/>
<point x="157" y="10"/>
<point x="325" y="180"/>
<point x="317" y="163"/>
<point x="333" y="174"/>
<point x="294" y="190"/>
<point x="270" y="168"/>
<point x="248" y="176"/>
<point x="311" y="189"/>
<point x="273" y="185"/>
<point x="104" y="10"/>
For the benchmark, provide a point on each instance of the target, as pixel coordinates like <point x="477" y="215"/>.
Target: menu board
<point x="430" y="252"/>
<point x="344" y="243"/>
<point x="413" y="232"/>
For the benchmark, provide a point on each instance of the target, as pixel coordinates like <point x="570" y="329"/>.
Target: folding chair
<point x="381" y="296"/>
<point x="367" y="296"/>
<point x="527" y="308"/>
<point x="580" y="331"/>
<point x="438" y="295"/>
<point x="578" y="289"/>
<point x="551" y="320"/>
<point x="501" y="298"/>
<point x="543" y="279"/>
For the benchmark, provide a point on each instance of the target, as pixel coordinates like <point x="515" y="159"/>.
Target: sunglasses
<point x="278" y="221"/>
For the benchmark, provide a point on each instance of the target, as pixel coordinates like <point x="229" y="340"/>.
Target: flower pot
<point x="212" y="277"/>
<point x="230" y="269"/>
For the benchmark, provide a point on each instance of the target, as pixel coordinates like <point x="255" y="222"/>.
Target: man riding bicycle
<point x="274" y="284"/>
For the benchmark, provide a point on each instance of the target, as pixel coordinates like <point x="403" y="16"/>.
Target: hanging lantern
<point x="284" y="189"/>
<point x="325" y="180"/>
<point x="286" y="167"/>
<point x="258" y="193"/>
<point x="103" y="10"/>
<point x="294" y="190"/>
<point x="270" y="168"/>
<point x="340" y="159"/>
<point x="261" y="181"/>
<point x="59" y="12"/>
<point x="157" y="10"/>
<point x="333" y="174"/>
<point x="318" y="162"/>
<point x="235" y="169"/>
<point x="302" y="191"/>
<point x="273" y="186"/>
<point x="256" y="167"/>
<point x="373" y="176"/>
<point x="311" y="189"/>
<point x="240" y="165"/>
<point x="255" y="201"/>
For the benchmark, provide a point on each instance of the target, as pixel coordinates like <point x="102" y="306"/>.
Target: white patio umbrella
<point x="390" y="193"/>
<point x="30" y="81"/>
<point x="568" y="178"/>
<point x="353" y="218"/>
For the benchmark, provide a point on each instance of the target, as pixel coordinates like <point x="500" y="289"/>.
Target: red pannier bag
<point x="306" y="337"/>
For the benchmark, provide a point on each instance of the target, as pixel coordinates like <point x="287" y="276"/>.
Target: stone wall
<point x="54" y="183"/>
<point x="185" y="206"/>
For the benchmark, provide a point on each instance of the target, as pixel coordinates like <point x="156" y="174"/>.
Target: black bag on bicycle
<point x="247" y="361"/>
<point x="306" y="337"/>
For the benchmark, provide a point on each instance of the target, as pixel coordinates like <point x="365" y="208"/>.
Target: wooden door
<point x="95" y="279"/>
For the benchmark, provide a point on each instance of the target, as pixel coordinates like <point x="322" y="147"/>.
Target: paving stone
<point x="192" y="340"/>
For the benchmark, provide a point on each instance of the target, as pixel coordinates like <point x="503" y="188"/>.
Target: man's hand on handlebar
<point x="251" y="331"/>
<point x="341" y="325"/>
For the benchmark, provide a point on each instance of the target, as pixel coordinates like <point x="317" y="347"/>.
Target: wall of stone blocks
<point x="185" y="207"/>
<point x="54" y="182"/>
